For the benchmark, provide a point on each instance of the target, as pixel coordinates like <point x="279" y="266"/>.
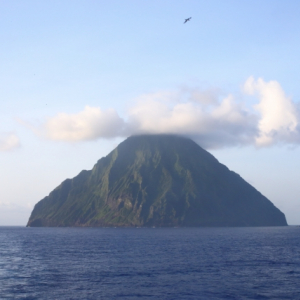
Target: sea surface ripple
<point x="150" y="263"/>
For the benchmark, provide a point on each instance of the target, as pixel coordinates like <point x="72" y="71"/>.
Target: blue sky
<point x="78" y="77"/>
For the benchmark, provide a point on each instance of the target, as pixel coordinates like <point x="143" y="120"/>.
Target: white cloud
<point x="89" y="124"/>
<point x="212" y="121"/>
<point x="214" y="124"/>
<point x="9" y="142"/>
<point x="278" y="114"/>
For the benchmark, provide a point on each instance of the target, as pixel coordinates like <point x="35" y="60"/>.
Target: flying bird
<point x="187" y="20"/>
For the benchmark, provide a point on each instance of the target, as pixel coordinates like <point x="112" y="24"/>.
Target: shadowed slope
<point x="156" y="180"/>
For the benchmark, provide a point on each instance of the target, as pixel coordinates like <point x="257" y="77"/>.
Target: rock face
<point x="156" y="180"/>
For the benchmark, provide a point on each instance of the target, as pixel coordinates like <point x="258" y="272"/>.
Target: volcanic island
<point x="156" y="180"/>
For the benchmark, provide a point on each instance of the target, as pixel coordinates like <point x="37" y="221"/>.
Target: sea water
<point x="150" y="263"/>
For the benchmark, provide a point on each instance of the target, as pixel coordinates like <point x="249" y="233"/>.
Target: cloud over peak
<point x="213" y="124"/>
<point x="212" y="121"/>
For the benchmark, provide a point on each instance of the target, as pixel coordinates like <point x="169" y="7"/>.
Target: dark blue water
<point x="160" y="263"/>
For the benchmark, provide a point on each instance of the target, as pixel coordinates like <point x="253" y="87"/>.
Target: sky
<point x="79" y="77"/>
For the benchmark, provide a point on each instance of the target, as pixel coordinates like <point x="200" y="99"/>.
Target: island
<point x="156" y="180"/>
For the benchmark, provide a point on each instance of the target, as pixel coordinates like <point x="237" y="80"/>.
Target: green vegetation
<point x="156" y="180"/>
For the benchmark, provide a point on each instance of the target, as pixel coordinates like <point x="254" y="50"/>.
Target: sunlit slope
<point x="156" y="180"/>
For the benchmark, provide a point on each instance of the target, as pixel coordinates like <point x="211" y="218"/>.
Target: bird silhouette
<point x="187" y="20"/>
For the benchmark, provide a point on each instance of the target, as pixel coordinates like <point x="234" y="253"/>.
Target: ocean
<point x="150" y="263"/>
